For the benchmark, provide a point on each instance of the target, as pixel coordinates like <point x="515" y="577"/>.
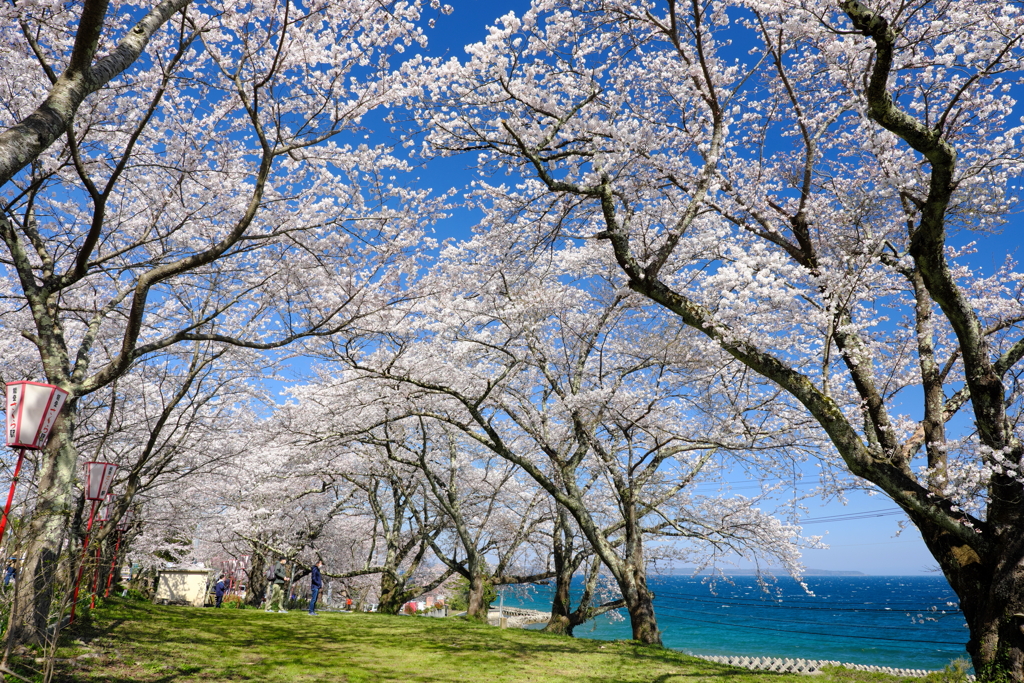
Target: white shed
<point x="182" y="586"/>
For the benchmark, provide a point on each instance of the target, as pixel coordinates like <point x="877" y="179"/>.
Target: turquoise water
<point x="899" y="621"/>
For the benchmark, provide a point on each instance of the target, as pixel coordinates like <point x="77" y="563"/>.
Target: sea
<point x="911" y="622"/>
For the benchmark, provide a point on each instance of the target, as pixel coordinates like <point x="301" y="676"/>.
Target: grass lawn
<point x="137" y="641"/>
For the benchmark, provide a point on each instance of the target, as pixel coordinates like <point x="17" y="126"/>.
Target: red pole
<point x="113" y="562"/>
<point x="10" y="496"/>
<point x="95" y="579"/>
<point x="81" y="566"/>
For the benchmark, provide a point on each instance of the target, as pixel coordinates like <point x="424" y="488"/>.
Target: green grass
<point x="138" y="641"/>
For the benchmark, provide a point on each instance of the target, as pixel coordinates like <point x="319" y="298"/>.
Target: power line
<point x="819" y="603"/>
<point x="825" y="606"/>
<point x="853" y="607"/>
<point x="795" y="621"/>
<point x="674" y="607"/>
<point x="852" y="516"/>
<point x="829" y="635"/>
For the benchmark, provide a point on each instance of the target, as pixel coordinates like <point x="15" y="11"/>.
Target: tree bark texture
<point x="392" y="594"/>
<point x="561" y="607"/>
<point x="991" y="591"/>
<point x="564" y="619"/>
<point x="31" y="613"/>
<point x="478" y="604"/>
<point x="25" y="141"/>
<point x="256" y="584"/>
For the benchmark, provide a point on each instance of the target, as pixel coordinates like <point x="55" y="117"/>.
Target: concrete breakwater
<point x="808" y="666"/>
<point x="517" y="617"/>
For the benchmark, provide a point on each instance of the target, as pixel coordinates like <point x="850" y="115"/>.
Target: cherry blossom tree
<point x="408" y="481"/>
<point x="302" y="494"/>
<point x="492" y="514"/>
<point x="404" y="528"/>
<point x="220" y="191"/>
<point x="614" y="420"/>
<point x="569" y="552"/>
<point x="37" y="125"/>
<point x="179" y="415"/>
<point x="434" y="497"/>
<point x="798" y="205"/>
<point x="172" y="425"/>
<point x="162" y="424"/>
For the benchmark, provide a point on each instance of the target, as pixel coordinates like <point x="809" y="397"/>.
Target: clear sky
<point x="866" y="533"/>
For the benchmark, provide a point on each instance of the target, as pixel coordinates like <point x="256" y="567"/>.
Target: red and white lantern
<point x="32" y="408"/>
<point x="98" y="477"/>
<point x="107" y="509"/>
<point x="126" y="520"/>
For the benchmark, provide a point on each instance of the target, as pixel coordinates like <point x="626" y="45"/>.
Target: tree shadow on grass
<point x="75" y="676"/>
<point x="245" y="645"/>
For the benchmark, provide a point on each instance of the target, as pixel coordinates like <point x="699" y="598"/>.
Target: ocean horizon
<point x="911" y="622"/>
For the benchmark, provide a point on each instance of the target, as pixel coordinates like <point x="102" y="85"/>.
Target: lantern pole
<point x="122" y="526"/>
<point x="81" y="563"/>
<point x="10" y="496"/>
<point x="98" y="477"/>
<point x="95" y="576"/>
<point x="113" y="563"/>
<point x="104" y="517"/>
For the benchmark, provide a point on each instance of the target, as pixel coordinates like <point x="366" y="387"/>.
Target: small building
<point x="182" y="586"/>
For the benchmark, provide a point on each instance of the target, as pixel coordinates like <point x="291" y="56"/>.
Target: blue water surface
<point x="901" y="621"/>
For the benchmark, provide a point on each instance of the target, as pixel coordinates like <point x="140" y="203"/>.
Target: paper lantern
<point x="126" y="520"/>
<point x="32" y="408"/>
<point x="107" y="509"/>
<point x="98" y="477"/>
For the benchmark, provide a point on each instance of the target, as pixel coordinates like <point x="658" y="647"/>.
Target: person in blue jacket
<point x="316" y="582"/>
<point x="11" y="571"/>
<point x="219" y="589"/>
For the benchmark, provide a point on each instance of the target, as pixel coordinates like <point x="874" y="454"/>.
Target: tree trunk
<point x="995" y="618"/>
<point x="100" y="566"/>
<point x="632" y="574"/>
<point x="640" y="604"/>
<point x="561" y="607"/>
<point x="628" y="569"/>
<point x="256" y="584"/>
<point x="31" y="611"/>
<point x="392" y="594"/>
<point x="991" y="592"/>
<point x="477" y="603"/>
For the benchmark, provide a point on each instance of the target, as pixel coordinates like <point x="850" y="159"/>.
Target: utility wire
<point x="824" y="606"/>
<point x="849" y="517"/>
<point x="793" y="621"/>
<point x="828" y="635"/>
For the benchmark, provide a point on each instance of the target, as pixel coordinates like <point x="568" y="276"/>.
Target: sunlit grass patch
<point x="155" y="644"/>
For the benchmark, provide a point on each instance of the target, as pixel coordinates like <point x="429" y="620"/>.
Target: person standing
<point x="316" y="581"/>
<point x="277" y="587"/>
<point x="219" y="589"/>
<point x="11" y="572"/>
